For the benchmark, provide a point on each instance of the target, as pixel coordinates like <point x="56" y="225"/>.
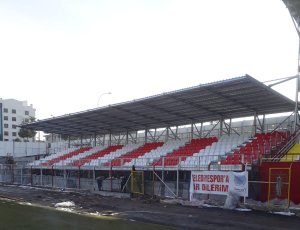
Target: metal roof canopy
<point x="294" y="9"/>
<point x="237" y="97"/>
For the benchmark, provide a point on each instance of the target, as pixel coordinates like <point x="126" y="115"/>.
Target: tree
<point x="27" y="133"/>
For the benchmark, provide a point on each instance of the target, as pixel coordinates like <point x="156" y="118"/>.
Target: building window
<point x="5" y="139"/>
<point x="6" y="133"/>
<point x="5" y="110"/>
<point x="5" y="125"/>
<point x="14" y="111"/>
<point x="26" y="112"/>
<point x="14" y="134"/>
<point x="5" y="118"/>
<point x="14" y="119"/>
<point x="14" y="126"/>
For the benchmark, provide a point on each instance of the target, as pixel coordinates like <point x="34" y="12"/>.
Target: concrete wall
<point x="22" y="149"/>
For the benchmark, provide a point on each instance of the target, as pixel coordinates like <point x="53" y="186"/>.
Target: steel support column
<point x="146" y="135"/>
<point x="229" y="128"/>
<point x="296" y="22"/>
<point x="201" y="129"/>
<point x="221" y="127"/>
<point x="136" y="136"/>
<point x="254" y="124"/>
<point x="69" y="142"/>
<point x="263" y="123"/>
<point x="109" y="142"/>
<point x="103" y="143"/>
<point x="297" y="82"/>
<point x="167" y="134"/>
<point x="296" y="97"/>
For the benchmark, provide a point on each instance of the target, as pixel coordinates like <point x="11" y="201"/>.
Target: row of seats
<point x="261" y="144"/>
<point x="69" y="160"/>
<point x="232" y="149"/>
<point x="96" y="155"/>
<point x="147" y="147"/>
<point x="178" y="151"/>
<point x="174" y="158"/>
<point x="65" y="156"/>
<point x="161" y="151"/>
<point x="52" y="156"/>
<point x="213" y="152"/>
<point x="112" y="155"/>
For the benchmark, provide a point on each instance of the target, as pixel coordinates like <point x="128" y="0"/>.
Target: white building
<point x="12" y="114"/>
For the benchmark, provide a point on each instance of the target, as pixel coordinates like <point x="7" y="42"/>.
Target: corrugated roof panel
<point x="235" y="97"/>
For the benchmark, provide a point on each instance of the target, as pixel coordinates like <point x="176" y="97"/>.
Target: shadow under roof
<point x="237" y="97"/>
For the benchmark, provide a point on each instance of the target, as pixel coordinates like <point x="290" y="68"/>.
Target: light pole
<point x="101" y="96"/>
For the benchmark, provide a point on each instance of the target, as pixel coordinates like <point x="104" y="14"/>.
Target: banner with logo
<point x="219" y="182"/>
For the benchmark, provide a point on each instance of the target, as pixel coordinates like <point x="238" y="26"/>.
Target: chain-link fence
<point x="275" y="191"/>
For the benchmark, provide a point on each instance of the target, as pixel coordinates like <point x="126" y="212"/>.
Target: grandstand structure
<point x="223" y="147"/>
<point x="272" y="154"/>
<point x="167" y="153"/>
<point x="218" y="102"/>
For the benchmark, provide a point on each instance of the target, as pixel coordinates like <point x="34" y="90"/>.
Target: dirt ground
<point x="154" y="211"/>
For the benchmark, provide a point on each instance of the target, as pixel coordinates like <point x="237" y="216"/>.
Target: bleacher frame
<point x="160" y="117"/>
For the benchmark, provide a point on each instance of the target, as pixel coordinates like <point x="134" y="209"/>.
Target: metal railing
<point x="292" y="140"/>
<point x="201" y="162"/>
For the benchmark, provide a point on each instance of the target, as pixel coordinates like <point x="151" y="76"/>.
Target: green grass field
<point x="25" y="217"/>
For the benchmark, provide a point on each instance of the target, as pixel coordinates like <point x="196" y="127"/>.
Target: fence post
<point x="177" y="185"/>
<point x="21" y="180"/>
<point x="94" y="179"/>
<point x="52" y="172"/>
<point x="65" y="178"/>
<point x="41" y="176"/>
<point x="79" y="177"/>
<point x="31" y="175"/>
<point x="12" y="174"/>
<point x="245" y="170"/>
<point x="153" y="181"/>
<point x="110" y="174"/>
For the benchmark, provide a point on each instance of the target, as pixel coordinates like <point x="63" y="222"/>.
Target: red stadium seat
<point x="96" y="155"/>
<point x="147" y="147"/>
<point x="173" y="159"/>
<point x="66" y="156"/>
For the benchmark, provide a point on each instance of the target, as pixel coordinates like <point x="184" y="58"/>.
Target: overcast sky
<point x="61" y="55"/>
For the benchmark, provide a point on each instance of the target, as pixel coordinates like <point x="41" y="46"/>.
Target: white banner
<point x="219" y="182"/>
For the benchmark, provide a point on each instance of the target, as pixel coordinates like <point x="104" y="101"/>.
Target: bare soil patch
<point x="153" y="211"/>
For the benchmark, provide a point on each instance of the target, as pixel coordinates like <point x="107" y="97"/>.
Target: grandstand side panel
<point x="295" y="179"/>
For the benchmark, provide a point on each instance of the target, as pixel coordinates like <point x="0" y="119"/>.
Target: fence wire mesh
<point x="165" y="184"/>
